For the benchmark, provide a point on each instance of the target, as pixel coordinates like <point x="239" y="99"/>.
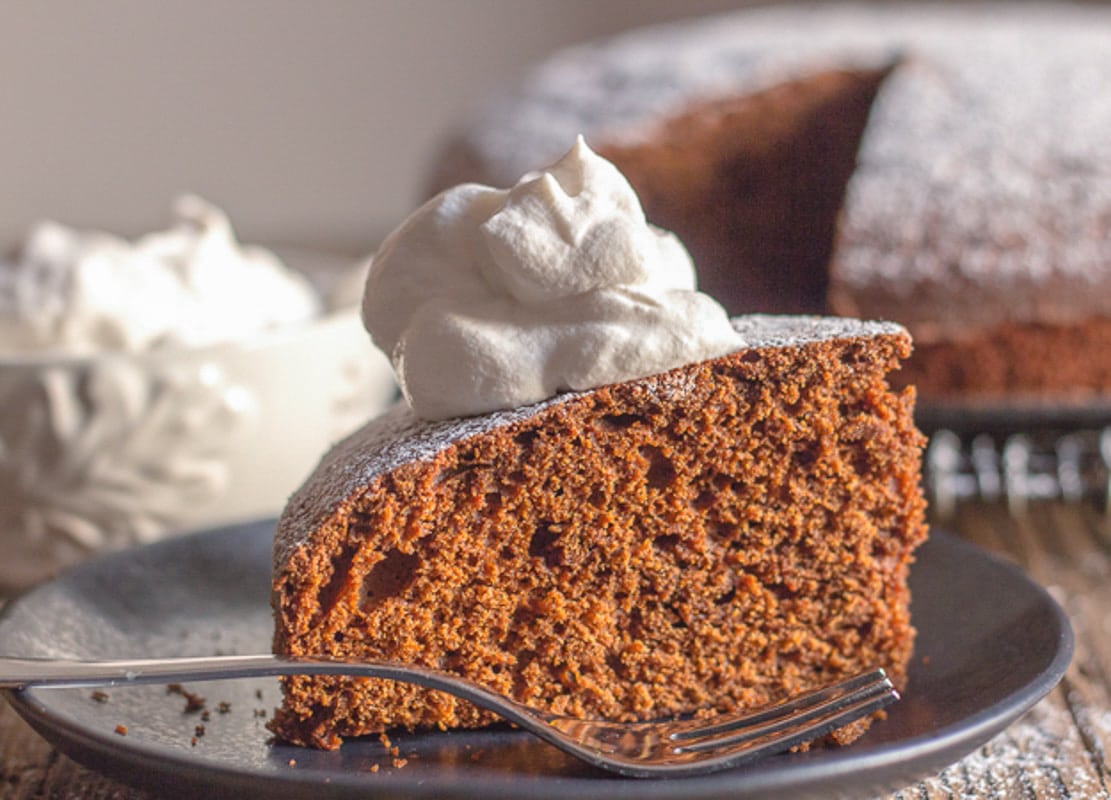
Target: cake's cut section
<point x="1023" y="361"/>
<point x="754" y="184"/>
<point x="713" y="537"/>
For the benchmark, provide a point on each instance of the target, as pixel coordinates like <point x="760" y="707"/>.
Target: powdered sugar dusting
<point x="1023" y="761"/>
<point x="618" y="88"/>
<point x="399" y="437"/>
<point x="985" y="172"/>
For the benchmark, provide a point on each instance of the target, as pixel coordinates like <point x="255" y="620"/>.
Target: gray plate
<point x="991" y="643"/>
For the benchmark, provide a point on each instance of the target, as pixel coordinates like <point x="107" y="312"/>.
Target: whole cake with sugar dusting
<point x="946" y="166"/>
<point x="621" y="504"/>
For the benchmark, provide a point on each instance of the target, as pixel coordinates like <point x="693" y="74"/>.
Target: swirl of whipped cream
<point x="84" y="292"/>
<point x="489" y="299"/>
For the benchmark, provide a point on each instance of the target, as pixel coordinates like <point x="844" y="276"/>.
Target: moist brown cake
<point x="942" y="165"/>
<point x="713" y="537"/>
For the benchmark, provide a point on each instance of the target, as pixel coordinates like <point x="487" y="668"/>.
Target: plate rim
<point x="148" y="766"/>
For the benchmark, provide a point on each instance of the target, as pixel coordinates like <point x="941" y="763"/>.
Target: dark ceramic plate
<point x="991" y="643"/>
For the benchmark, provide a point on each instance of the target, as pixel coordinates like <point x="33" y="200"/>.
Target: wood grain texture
<point x="1058" y="750"/>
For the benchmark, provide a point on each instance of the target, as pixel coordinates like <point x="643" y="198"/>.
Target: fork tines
<point x="804" y="718"/>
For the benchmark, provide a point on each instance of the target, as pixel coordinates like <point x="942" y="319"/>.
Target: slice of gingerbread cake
<point x="733" y="525"/>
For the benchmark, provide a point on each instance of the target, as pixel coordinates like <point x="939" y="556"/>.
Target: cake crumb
<point x="293" y="762"/>
<point x="121" y="730"/>
<point x="99" y="696"/>
<point x="836" y="388"/>
<point x="193" y="701"/>
<point x="400" y="762"/>
<point x="205" y="716"/>
<point x="193" y="742"/>
<point x="374" y="768"/>
<point x="223" y="707"/>
<point x="199" y="730"/>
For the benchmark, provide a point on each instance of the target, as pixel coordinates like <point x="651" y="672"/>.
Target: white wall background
<point x="311" y="121"/>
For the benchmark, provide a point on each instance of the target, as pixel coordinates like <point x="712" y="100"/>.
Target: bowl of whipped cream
<point x="173" y="382"/>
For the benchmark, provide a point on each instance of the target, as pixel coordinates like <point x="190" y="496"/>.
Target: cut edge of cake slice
<point x="717" y="536"/>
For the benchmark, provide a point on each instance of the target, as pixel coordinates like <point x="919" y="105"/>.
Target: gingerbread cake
<point x="713" y="537"/>
<point x="945" y="166"/>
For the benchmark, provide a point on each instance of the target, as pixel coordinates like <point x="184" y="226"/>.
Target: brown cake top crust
<point x="399" y="437"/>
<point x="982" y="192"/>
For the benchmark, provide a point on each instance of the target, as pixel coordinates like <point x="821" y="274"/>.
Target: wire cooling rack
<point x="1018" y="467"/>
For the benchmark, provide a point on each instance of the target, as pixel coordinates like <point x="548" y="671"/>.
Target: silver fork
<point x="661" y="748"/>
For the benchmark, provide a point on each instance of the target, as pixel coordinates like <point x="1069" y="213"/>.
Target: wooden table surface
<point x="1057" y="750"/>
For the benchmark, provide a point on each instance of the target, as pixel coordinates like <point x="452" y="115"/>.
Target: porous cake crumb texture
<point x="712" y="538"/>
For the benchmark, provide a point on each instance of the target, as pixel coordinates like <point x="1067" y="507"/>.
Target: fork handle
<point x="23" y="673"/>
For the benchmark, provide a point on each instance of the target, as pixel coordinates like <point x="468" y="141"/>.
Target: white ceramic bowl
<point x="101" y="452"/>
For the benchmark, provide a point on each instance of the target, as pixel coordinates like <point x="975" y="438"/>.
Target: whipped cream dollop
<point x="80" y="292"/>
<point x="489" y="299"/>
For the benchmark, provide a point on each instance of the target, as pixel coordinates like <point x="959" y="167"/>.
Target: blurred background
<point x="311" y="123"/>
